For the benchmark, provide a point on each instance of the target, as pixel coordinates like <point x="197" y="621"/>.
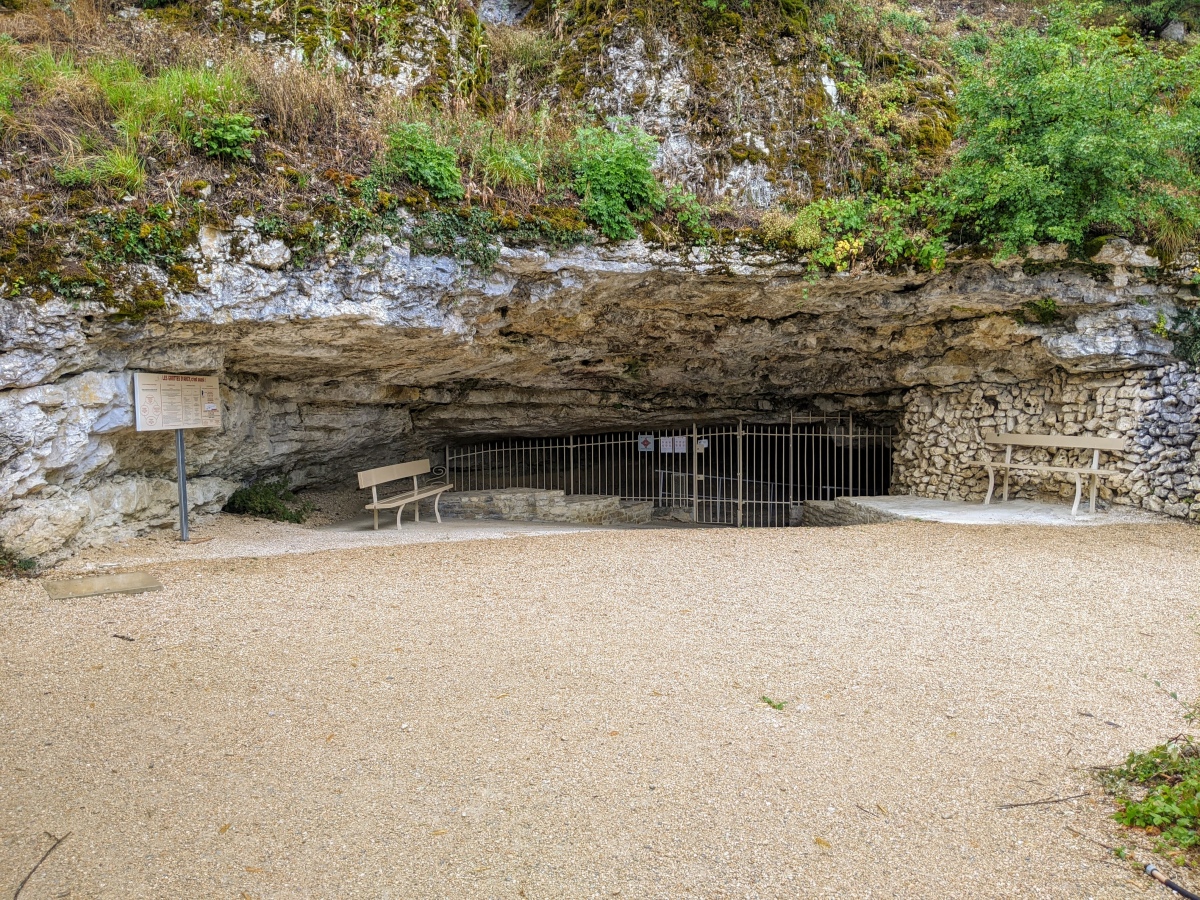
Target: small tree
<point x="1074" y="130"/>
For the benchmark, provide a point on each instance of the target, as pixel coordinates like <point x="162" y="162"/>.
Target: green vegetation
<point x="884" y="134"/>
<point x="269" y="500"/>
<point x="226" y="136"/>
<point x="1043" y="311"/>
<point x="1074" y="129"/>
<point x="1159" y="790"/>
<point x="413" y="153"/>
<point x="774" y="704"/>
<point x="1185" y="333"/>
<point x="614" y="179"/>
<point x="12" y="566"/>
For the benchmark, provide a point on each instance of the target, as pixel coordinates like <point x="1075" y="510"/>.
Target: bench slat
<point x="389" y="502"/>
<point x="1073" y="441"/>
<point x="384" y="474"/>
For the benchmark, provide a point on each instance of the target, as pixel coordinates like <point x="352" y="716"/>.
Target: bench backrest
<point x="1080" y="441"/>
<point x="384" y="474"/>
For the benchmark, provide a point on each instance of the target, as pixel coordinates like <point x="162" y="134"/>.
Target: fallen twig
<point x="53" y="847"/>
<point x="1098" y="719"/>
<point x="1041" y="802"/>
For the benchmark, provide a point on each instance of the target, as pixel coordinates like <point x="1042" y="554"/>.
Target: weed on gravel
<point x="13" y="566"/>
<point x="1158" y="790"/>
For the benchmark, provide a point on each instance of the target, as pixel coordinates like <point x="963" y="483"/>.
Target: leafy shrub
<point x="689" y="214"/>
<point x="1154" y="15"/>
<point x="227" y="136"/>
<point x="1171" y="804"/>
<point x="613" y="176"/>
<point x="415" y="154"/>
<point x="268" y="500"/>
<point x="1078" y="128"/>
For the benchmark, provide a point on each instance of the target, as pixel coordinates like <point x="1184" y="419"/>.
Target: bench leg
<point x="1078" y="493"/>
<point x="376" y="518"/>
<point x="416" y="510"/>
<point x="1095" y="484"/>
<point x="1006" y="485"/>
<point x="399" y="513"/>
<point x="437" y="498"/>
<point x="991" y="485"/>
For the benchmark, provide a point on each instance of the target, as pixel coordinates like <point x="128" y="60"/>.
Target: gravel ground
<point x="579" y="715"/>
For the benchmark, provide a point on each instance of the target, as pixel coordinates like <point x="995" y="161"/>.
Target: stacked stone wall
<point x="940" y="451"/>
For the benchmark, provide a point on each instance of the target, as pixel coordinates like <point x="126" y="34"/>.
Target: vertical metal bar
<point x="791" y="465"/>
<point x="695" y="473"/>
<point x="853" y="459"/>
<point x="739" y="472"/>
<point x="181" y="469"/>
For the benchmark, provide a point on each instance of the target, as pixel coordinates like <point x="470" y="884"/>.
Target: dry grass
<point x="300" y="104"/>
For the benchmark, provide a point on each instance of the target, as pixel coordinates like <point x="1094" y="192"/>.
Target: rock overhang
<point x="388" y="352"/>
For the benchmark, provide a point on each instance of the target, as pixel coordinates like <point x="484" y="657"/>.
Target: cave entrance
<point x="752" y="474"/>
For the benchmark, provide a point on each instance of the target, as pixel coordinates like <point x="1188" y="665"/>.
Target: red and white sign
<point x="673" y="444"/>
<point x="646" y="443"/>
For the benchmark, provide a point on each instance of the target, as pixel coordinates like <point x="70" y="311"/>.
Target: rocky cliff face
<point x="387" y="354"/>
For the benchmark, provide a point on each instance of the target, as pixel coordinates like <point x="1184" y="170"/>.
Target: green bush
<point x="414" y="153"/>
<point x="612" y="174"/>
<point x="268" y="500"/>
<point x="1077" y="129"/>
<point x="1154" y="15"/>
<point x="1170" y="775"/>
<point x="227" y="136"/>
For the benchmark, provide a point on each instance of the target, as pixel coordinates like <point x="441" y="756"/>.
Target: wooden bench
<point x="372" y="478"/>
<point x="1053" y="441"/>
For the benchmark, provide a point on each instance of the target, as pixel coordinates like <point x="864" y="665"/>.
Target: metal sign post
<point x="181" y="474"/>
<point x="174" y="403"/>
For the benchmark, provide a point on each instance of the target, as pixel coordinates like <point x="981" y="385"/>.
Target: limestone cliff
<point x="387" y="354"/>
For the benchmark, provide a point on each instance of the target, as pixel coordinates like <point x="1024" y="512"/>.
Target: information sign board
<point x="169" y="402"/>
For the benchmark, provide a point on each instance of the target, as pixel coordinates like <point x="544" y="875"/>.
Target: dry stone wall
<point x="940" y="451"/>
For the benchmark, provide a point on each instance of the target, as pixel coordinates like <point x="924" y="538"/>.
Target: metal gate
<point x="742" y="474"/>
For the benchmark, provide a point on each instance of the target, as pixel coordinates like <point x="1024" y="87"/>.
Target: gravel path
<point x="579" y="715"/>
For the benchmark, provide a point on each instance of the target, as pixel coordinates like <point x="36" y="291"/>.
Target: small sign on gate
<point x="645" y="443"/>
<point x="673" y="444"/>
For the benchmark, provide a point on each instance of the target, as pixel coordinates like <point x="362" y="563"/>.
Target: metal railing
<point x="734" y="474"/>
